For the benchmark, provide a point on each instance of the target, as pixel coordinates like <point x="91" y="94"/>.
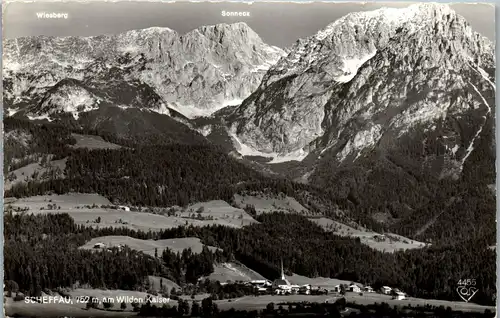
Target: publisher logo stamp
<point x="466" y="289"/>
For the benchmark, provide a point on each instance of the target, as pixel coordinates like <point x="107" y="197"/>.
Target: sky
<point x="278" y="23"/>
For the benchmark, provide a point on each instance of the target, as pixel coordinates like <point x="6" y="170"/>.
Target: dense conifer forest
<point x="163" y="174"/>
<point x="158" y="174"/>
<point x="308" y="250"/>
<point x="421" y="193"/>
<point x="41" y="252"/>
<point x="23" y="140"/>
<point x="304" y="247"/>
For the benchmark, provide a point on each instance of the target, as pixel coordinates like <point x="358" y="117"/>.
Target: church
<point x="282" y="286"/>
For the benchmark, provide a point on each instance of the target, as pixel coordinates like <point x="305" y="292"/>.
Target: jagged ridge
<point x="365" y="64"/>
<point x="206" y="68"/>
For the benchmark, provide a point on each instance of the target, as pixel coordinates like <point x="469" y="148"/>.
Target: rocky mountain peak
<point x="358" y="35"/>
<point x="197" y="72"/>
<point x="68" y="96"/>
<point x="228" y="29"/>
<point x="332" y="84"/>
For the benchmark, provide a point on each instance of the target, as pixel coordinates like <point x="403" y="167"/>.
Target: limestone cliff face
<point x="200" y="71"/>
<point x="367" y="75"/>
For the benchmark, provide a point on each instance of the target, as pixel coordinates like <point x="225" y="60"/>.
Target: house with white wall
<point x="385" y="290"/>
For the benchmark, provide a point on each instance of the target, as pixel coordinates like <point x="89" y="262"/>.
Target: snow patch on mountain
<point x="205" y="130"/>
<point x="478" y="133"/>
<point x="202" y="71"/>
<point x="162" y="109"/>
<point x="297" y="155"/>
<point x="40" y="117"/>
<point x="12" y="111"/>
<point x="351" y="67"/>
<point x="192" y="111"/>
<point x="486" y="77"/>
<point x="246" y="150"/>
<point x="227" y="103"/>
<point x="12" y="66"/>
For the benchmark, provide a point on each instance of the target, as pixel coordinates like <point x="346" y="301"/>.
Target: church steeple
<point x="282" y="271"/>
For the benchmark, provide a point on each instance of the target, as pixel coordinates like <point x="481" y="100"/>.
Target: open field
<point x="86" y="208"/>
<point x="267" y="204"/>
<point x="322" y="282"/>
<point x="382" y="242"/>
<point x="35" y="171"/>
<point x="221" y="211"/>
<point x="242" y="303"/>
<point x="149" y="246"/>
<point x="92" y="142"/>
<point x="233" y="272"/>
<point x="69" y="200"/>
<point x="371" y="298"/>
<point x="260" y="302"/>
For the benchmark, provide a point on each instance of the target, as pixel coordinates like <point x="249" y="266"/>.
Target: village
<point x="282" y="286"/>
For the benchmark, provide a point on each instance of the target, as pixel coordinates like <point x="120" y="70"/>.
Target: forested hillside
<point x="305" y="248"/>
<point x="145" y="174"/>
<point x="41" y="252"/>
<point x="411" y="188"/>
<point x="158" y="174"/>
<point x="25" y="142"/>
<point x="389" y="194"/>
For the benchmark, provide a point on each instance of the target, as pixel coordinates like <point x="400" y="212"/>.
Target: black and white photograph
<point x="265" y="159"/>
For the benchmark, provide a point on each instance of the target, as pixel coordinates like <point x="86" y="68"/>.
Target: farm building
<point x="385" y="290"/>
<point x="336" y="289"/>
<point x="305" y="289"/>
<point x="124" y="208"/>
<point x="354" y="288"/>
<point x="99" y="245"/>
<point x="368" y="289"/>
<point x="399" y="296"/>
<point x="261" y="283"/>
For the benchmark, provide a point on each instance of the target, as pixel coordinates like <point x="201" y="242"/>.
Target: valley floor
<point x="86" y="208"/>
<point x="244" y="303"/>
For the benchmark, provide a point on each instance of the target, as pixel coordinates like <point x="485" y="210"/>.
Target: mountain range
<point x="156" y="68"/>
<point x="395" y="103"/>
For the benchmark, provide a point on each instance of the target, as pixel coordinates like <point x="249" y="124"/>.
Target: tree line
<point x="42" y="252"/>
<point x="420" y="205"/>
<point x="418" y="187"/>
<point x="24" y="141"/>
<point x="306" y="249"/>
